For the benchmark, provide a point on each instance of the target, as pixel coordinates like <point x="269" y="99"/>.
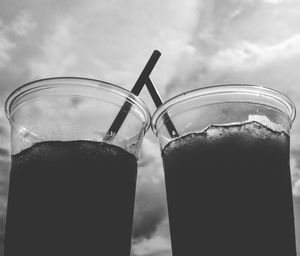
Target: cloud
<point x="235" y="40"/>
<point x="150" y="163"/>
<point x="157" y="245"/>
<point x="5" y="47"/>
<point x="56" y="52"/>
<point x="4" y="140"/>
<point x="150" y="202"/>
<point x="150" y="210"/>
<point x="112" y="40"/>
<point x="274" y="1"/>
<point x="297" y="221"/>
<point x="4" y="178"/>
<point x="4" y="152"/>
<point x="296" y="187"/>
<point x="279" y="1"/>
<point x="15" y="41"/>
<point x="248" y="56"/>
<point x="22" y="24"/>
<point x="18" y="27"/>
<point x="2" y="230"/>
<point x="295" y="171"/>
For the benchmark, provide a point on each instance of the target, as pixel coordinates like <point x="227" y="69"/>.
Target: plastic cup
<point x="227" y="174"/>
<point x="70" y="192"/>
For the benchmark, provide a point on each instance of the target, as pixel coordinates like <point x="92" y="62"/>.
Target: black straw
<point x="138" y="86"/>
<point x="157" y="101"/>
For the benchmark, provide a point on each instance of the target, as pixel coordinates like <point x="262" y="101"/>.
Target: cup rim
<point x="51" y="82"/>
<point x="255" y="90"/>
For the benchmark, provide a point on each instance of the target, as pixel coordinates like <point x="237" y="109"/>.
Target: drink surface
<point x="229" y="192"/>
<point x="71" y="198"/>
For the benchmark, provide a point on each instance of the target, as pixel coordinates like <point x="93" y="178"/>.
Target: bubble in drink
<point x="71" y="198"/>
<point x="229" y="192"/>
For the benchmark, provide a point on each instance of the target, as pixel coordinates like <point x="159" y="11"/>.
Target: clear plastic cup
<point x="227" y="173"/>
<point x="71" y="192"/>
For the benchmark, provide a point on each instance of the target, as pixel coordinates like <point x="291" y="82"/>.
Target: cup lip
<point x="41" y="84"/>
<point x="219" y="89"/>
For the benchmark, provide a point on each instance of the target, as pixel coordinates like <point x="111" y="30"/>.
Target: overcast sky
<point x="203" y="42"/>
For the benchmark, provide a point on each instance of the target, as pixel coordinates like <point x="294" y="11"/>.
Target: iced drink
<point x="71" y="198"/>
<point x="227" y="171"/>
<point x="71" y="190"/>
<point x="229" y="192"/>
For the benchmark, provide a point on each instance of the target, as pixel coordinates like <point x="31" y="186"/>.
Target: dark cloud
<point x="164" y="253"/>
<point x="2" y="228"/>
<point x="2" y="232"/>
<point x="150" y="203"/>
<point x="295" y="172"/>
<point x="150" y="209"/>
<point x="297" y="221"/>
<point x="4" y="178"/>
<point x="2" y="130"/>
<point x="4" y="152"/>
<point x="295" y="153"/>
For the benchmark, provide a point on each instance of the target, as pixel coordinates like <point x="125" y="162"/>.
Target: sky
<point x="203" y="42"/>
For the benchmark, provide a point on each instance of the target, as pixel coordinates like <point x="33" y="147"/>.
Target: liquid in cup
<point x="73" y="197"/>
<point x="228" y="185"/>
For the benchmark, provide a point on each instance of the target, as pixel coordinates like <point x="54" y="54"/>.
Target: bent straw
<point x="157" y="101"/>
<point x="138" y="86"/>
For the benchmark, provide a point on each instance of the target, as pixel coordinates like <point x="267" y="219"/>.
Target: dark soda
<point x="229" y="192"/>
<point x="71" y="198"/>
